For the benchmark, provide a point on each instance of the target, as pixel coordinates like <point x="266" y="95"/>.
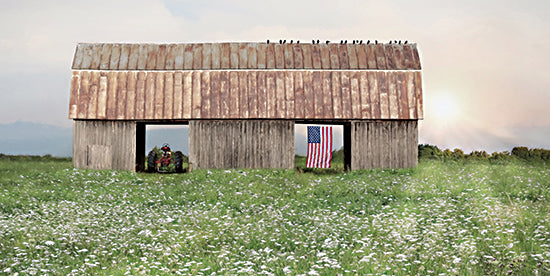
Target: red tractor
<point x="164" y="163"/>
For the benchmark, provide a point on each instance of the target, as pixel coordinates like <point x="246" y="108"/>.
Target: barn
<point x="242" y="101"/>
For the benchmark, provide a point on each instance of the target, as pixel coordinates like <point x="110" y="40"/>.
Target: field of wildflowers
<point x="441" y="218"/>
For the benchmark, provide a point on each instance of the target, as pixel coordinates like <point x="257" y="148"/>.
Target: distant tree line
<point x="426" y="151"/>
<point x="46" y="157"/>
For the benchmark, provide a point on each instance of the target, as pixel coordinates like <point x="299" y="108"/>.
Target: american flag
<point x="319" y="146"/>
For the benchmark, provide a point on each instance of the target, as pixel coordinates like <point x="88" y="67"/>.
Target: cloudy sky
<point x="485" y="63"/>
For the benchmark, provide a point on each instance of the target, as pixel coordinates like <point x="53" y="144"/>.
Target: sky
<point x="485" y="63"/>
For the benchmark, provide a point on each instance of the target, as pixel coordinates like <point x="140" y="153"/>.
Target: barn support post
<point x="140" y="147"/>
<point x="216" y="144"/>
<point x="104" y="144"/>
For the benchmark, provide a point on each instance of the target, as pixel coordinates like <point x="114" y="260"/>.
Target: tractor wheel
<point x="178" y="160"/>
<point x="151" y="158"/>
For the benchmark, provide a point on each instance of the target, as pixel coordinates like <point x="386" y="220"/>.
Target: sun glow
<point x="444" y="106"/>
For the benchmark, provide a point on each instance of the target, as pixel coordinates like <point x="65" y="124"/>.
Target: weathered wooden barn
<point x="242" y="101"/>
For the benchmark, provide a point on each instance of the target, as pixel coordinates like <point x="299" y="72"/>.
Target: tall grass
<point x="470" y="217"/>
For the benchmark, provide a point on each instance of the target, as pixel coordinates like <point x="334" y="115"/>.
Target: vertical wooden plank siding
<point x="328" y="111"/>
<point x="216" y="50"/>
<point x="306" y="51"/>
<point x="299" y="95"/>
<point x="158" y="95"/>
<point x="279" y="56"/>
<point x="73" y="100"/>
<point x="206" y="106"/>
<point x="280" y="105"/>
<point x="346" y="95"/>
<point x="418" y="90"/>
<point x="392" y="96"/>
<point x="187" y="95"/>
<point x="325" y="56"/>
<point x="115" y="57"/>
<point x="152" y="50"/>
<point x="308" y="94"/>
<point x="206" y="56"/>
<point x="234" y="57"/>
<point x="371" y="56"/>
<point x="215" y="94"/>
<point x="142" y="57"/>
<point x="122" y="92"/>
<point x="179" y="57"/>
<point x="374" y="92"/>
<point x="252" y="56"/>
<point x="388" y="52"/>
<point x="262" y="94"/>
<point x="352" y="56"/>
<point x="111" y="95"/>
<point x="188" y="57"/>
<point x="244" y="105"/>
<point x="380" y="57"/>
<point x="196" y="101"/>
<point x="334" y="56"/>
<point x="289" y="90"/>
<point x="261" y="55"/>
<point x="318" y="95"/>
<point x="298" y="57"/>
<point x="243" y="55"/>
<point x="131" y="97"/>
<point x="289" y="56"/>
<point x="105" y="57"/>
<point x="343" y="56"/>
<point x="149" y="96"/>
<point x="140" y="95"/>
<point x="92" y="94"/>
<point x="316" y="56"/>
<point x="365" y="96"/>
<point x="271" y="94"/>
<point x="240" y="146"/>
<point x="133" y="57"/>
<point x="355" y="96"/>
<point x="161" y="57"/>
<point x="337" y="95"/>
<point x="78" y="56"/>
<point x="168" y="95"/>
<point x="170" y="57"/>
<point x="252" y="94"/>
<point x="402" y="100"/>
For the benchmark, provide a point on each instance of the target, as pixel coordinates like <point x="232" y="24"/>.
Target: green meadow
<point x="445" y="217"/>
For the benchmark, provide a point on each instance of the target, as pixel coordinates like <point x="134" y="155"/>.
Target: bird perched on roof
<point x="376" y="42"/>
<point x="317" y="41"/>
<point x="390" y="41"/>
<point x="368" y="41"/>
<point x="280" y="41"/>
<point x="268" y="41"/>
<point x="405" y="42"/>
<point x="291" y="41"/>
<point x="328" y="41"/>
<point x="361" y="41"/>
<point x="297" y="41"/>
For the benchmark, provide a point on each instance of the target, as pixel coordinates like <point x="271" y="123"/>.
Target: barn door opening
<point x="338" y="163"/>
<point x="150" y="141"/>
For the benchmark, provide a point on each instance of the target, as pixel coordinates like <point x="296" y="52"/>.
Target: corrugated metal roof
<point x="205" y="56"/>
<point x="243" y="94"/>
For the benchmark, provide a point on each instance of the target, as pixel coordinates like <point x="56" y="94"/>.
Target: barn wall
<point x="384" y="144"/>
<point x="104" y="145"/>
<point x="241" y="144"/>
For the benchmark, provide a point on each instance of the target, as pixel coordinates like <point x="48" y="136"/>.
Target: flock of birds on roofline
<point x="283" y="41"/>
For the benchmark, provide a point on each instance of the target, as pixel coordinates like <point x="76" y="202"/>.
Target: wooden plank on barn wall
<point x="124" y="56"/>
<point x="383" y="86"/>
<point x="279" y="56"/>
<point x="112" y="84"/>
<point x="115" y="57"/>
<point x="402" y="95"/>
<point x="328" y="112"/>
<point x="142" y="56"/>
<point x="205" y="95"/>
<point x="365" y="96"/>
<point x="216" y="53"/>
<point x="307" y="59"/>
<point x="309" y="103"/>
<point x="416" y="57"/>
<point x="261" y="55"/>
<point x="262" y="94"/>
<point x="196" y="101"/>
<point x="408" y="60"/>
<point x="280" y="106"/>
<point x="96" y="56"/>
<point x="252" y="55"/>
<point x="252" y="94"/>
<point x="346" y="95"/>
<point x="289" y="89"/>
<point x="334" y="56"/>
<point x="188" y="56"/>
<point x="214" y="111"/>
<point x="78" y="56"/>
<point x="161" y="57"/>
<point x="105" y="57"/>
<point x="374" y="94"/>
<point x="316" y="56"/>
<point x="271" y="94"/>
<point x="102" y="96"/>
<point x="388" y="52"/>
<point x="355" y="96"/>
<point x="158" y="97"/>
<point x="298" y="56"/>
<point x="317" y="96"/>
<point x="370" y="51"/>
<point x="207" y="56"/>
<point x="393" y="98"/>
<point x="299" y="96"/>
<point x="177" y="108"/>
<point x="234" y="58"/>
<point x="270" y="56"/>
<point x="343" y="56"/>
<point x="380" y="57"/>
<point x="393" y="140"/>
<point x="170" y="57"/>
<point x="398" y="57"/>
<point x="197" y="56"/>
<point x="352" y="56"/>
<point x="168" y="95"/>
<point x="337" y="95"/>
<point x="73" y="101"/>
<point x="244" y="105"/>
<point x="150" y="95"/>
<point x="122" y="92"/>
<point x="325" y="56"/>
<point x="289" y="56"/>
<point x="225" y="57"/>
<point x="131" y="98"/>
<point x="224" y="94"/>
<point x="361" y="56"/>
<point x="179" y="56"/>
<point x="418" y="90"/>
<point x="152" y="50"/>
<point x="92" y="95"/>
<point x="233" y="94"/>
<point x="140" y="95"/>
<point x="187" y="94"/>
<point x="243" y="55"/>
<point x="87" y="53"/>
<point x="133" y="57"/>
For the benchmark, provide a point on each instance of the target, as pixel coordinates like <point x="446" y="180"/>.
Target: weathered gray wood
<point x="104" y="144"/>
<point x="241" y="144"/>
